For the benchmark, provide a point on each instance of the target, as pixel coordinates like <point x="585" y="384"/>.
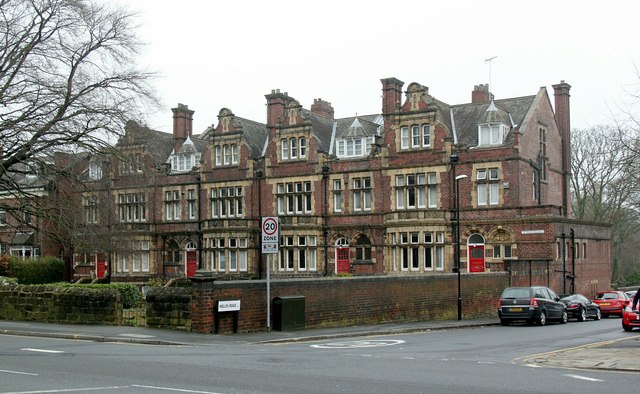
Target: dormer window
<point x="226" y="155"/>
<point x="353" y="147"/>
<point x="95" y="171"/>
<point x="293" y="148"/>
<point x="415" y="137"/>
<point x="491" y="134"/>
<point x="184" y="162"/>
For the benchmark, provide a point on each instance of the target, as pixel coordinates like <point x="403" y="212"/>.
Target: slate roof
<point x="356" y="127"/>
<point x="254" y="133"/>
<point x="322" y="128"/>
<point x="466" y="117"/>
<point x="159" y="144"/>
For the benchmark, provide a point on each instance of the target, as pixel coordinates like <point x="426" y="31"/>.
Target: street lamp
<point x="457" y="247"/>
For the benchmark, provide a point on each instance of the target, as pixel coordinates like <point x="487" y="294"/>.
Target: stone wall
<point x="169" y="307"/>
<point x="55" y="304"/>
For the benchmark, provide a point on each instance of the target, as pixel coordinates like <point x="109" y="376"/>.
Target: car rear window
<point x="606" y="296"/>
<point x="516" y="293"/>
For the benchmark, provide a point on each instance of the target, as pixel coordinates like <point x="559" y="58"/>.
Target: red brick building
<point x="364" y="195"/>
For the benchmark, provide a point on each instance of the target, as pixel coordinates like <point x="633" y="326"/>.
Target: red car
<point x="630" y="319"/>
<point x="612" y="302"/>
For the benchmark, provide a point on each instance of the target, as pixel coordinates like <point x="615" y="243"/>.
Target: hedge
<point x="36" y="271"/>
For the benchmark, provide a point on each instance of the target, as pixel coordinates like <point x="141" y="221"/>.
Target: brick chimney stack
<point x="276" y="103"/>
<point x="563" y="120"/>
<point x="182" y="124"/>
<point x="322" y="108"/>
<point x="480" y="94"/>
<point x="391" y="95"/>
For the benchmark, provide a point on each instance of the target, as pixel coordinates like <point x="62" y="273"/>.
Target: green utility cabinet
<point x="288" y="313"/>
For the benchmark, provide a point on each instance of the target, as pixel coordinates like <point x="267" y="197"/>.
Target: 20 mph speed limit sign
<point x="270" y="234"/>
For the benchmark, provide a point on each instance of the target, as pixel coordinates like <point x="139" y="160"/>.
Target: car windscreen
<point x="570" y="297"/>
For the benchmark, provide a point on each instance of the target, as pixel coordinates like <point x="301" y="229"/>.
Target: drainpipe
<point x="325" y="226"/>
<point x="564" y="264"/>
<point x="573" y="260"/>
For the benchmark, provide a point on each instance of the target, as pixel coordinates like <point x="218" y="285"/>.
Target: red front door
<point x="192" y="264"/>
<point x="101" y="265"/>
<point x="476" y="258"/>
<point x="342" y="260"/>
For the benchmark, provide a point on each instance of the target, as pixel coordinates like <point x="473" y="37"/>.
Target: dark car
<point x="630" y="319"/>
<point x="580" y="307"/>
<point x="535" y="304"/>
<point x="612" y="302"/>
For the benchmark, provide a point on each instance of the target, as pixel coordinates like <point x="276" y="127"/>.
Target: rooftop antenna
<point x="489" y="60"/>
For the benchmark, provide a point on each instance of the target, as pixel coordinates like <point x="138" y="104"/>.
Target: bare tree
<point x="604" y="182"/>
<point x="68" y="82"/>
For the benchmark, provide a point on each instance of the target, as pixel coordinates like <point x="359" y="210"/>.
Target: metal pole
<point x="457" y="243"/>
<point x="268" y="293"/>
<point x="457" y="251"/>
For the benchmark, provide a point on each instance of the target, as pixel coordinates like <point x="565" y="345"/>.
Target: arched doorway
<point x="475" y="253"/>
<point x="191" y="260"/>
<point x="342" y="256"/>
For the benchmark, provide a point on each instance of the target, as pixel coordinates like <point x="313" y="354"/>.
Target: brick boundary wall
<point x="333" y="302"/>
<point x="54" y="304"/>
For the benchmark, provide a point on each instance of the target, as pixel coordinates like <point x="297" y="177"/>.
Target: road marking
<point x="358" y="344"/>
<point x="67" y="390"/>
<point x="532" y="365"/>
<point x="136" y="336"/>
<point x="583" y="378"/>
<point x="18" y="372"/>
<point x="172" y="389"/>
<point x="28" y="349"/>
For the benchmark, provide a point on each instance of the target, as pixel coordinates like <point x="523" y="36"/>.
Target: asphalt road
<point x="492" y="359"/>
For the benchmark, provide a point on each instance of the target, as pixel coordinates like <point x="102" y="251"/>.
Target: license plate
<point x="605" y="303"/>
<point x="515" y="309"/>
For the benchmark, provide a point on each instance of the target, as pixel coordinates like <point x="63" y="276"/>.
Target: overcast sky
<point x="216" y="54"/>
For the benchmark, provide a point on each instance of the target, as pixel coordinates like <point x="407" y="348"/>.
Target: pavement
<point x="618" y="355"/>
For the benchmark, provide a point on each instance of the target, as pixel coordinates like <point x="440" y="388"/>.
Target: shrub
<point x="7" y="281"/>
<point x="131" y="295"/>
<point x="37" y="271"/>
<point x="4" y="266"/>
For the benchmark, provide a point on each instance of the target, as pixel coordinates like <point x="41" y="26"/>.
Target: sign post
<point x="270" y="239"/>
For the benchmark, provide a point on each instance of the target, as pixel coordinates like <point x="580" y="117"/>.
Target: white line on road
<point x="172" y="389"/>
<point x="18" y="372"/>
<point x="583" y="378"/>
<point x="85" y="389"/>
<point x="28" y="349"/>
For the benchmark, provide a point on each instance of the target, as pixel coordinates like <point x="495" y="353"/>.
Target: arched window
<point x="476" y="239"/>
<point x="363" y="248"/>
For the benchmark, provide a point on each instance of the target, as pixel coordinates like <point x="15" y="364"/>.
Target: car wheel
<point x="598" y="315"/>
<point x="583" y="315"/>
<point x="565" y="317"/>
<point x="504" y="322"/>
<point x="627" y="328"/>
<point x="542" y="320"/>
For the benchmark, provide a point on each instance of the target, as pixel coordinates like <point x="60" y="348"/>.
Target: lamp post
<point x="457" y="247"/>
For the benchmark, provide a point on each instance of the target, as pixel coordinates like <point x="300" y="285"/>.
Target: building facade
<point x="381" y="194"/>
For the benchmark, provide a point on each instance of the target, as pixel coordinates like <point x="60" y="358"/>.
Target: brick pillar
<point x="202" y="302"/>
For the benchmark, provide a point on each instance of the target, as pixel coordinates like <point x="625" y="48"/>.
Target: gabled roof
<point x="467" y="117"/>
<point x="355" y="127"/>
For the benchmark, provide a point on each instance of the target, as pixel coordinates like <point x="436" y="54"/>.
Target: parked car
<point x="535" y="304"/>
<point x="580" y="307"/>
<point x="631" y="293"/>
<point x="630" y="319"/>
<point x="612" y="302"/>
